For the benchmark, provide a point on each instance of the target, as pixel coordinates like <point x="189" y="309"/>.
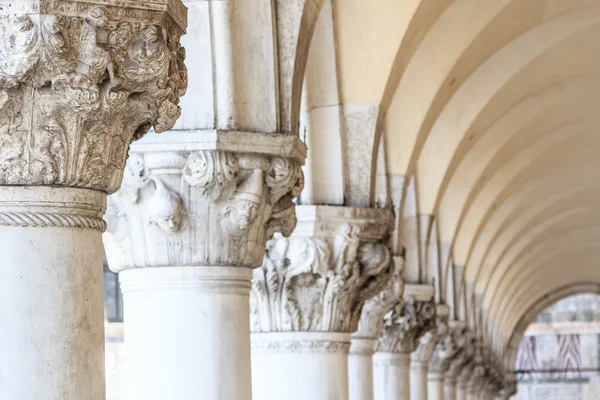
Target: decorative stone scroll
<point x="405" y="324"/>
<point x="370" y="324"/>
<point x="79" y="82"/>
<point x="319" y="283"/>
<point x="204" y="207"/>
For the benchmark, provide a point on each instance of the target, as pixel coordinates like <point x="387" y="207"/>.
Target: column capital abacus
<point x="203" y="204"/>
<point x="79" y="81"/>
<point x="408" y="321"/>
<point x="318" y="279"/>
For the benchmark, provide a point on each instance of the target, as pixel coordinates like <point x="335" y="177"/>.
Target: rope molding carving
<point x="50" y="219"/>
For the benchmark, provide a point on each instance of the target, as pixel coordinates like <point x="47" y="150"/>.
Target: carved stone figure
<point x="164" y="208"/>
<point x="224" y="201"/>
<point x="77" y="86"/>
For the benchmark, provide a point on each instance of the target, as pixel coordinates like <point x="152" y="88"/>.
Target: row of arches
<point x="475" y="121"/>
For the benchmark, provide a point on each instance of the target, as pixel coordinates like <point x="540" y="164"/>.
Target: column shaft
<point x="391" y="376"/>
<point x="450" y="390"/>
<point x="360" y="369"/>
<point x="461" y="391"/>
<point x="51" y="307"/>
<point x="300" y="366"/>
<point x="435" y="386"/>
<point x="418" y="380"/>
<point x="208" y="309"/>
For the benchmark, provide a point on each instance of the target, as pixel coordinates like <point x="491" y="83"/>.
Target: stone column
<point x="460" y="367"/>
<point x="185" y="229"/>
<point x="448" y="346"/>
<point x="476" y="378"/>
<point x="403" y="328"/>
<point x="370" y="325"/>
<point x="307" y="299"/>
<point x="77" y="84"/>
<point x="419" y="365"/>
<point x="463" y="381"/>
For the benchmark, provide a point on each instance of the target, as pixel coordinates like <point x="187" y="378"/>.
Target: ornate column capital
<point x="318" y="279"/>
<point x="448" y="346"/>
<point x="460" y="363"/>
<point x="408" y="321"/>
<point x="79" y="81"/>
<point x="370" y="324"/>
<point x="202" y="206"/>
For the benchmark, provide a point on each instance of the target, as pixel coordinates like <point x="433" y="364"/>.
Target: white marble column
<point x="403" y="328"/>
<point x="307" y="299"/>
<point x="462" y="383"/>
<point x="67" y="114"/>
<point x="360" y="369"/>
<point x="184" y="231"/>
<point x="449" y="345"/>
<point x="200" y="203"/>
<point x="370" y="325"/>
<point x="419" y="365"/>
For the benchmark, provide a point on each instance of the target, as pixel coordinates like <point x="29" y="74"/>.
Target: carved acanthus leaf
<point x="370" y="324"/>
<point x="405" y="324"/>
<point x="309" y="284"/>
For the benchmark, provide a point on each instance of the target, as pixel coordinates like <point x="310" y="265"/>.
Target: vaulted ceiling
<point x="490" y="110"/>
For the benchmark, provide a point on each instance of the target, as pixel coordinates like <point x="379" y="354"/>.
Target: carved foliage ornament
<point x="466" y="343"/>
<point x="405" y="324"/>
<point x="229" y="202"/>
<point x="309" y="284"/>
<point x="76" y="90"/>
<point x="447" y="348"/>
<point x="370" y="323"/>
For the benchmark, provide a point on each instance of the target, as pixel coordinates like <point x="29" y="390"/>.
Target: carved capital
<point x="319" y="283"/>
<point x="448" y="347"/>
<point x="370" y="324"/>
<point x="79" y="82"/>
<point x="205" y="207"/>
<point x="460" y="363"/>
<point x="405" y="324"/>
<point x="425" y="347"/>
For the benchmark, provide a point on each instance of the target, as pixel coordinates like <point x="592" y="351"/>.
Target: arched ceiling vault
<point x="490" y="109"/>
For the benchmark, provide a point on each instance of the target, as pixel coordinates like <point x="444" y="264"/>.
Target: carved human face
<point x="98" y="17"/>
<point x="242" y="214"/>
<point x="170" y="223"/>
